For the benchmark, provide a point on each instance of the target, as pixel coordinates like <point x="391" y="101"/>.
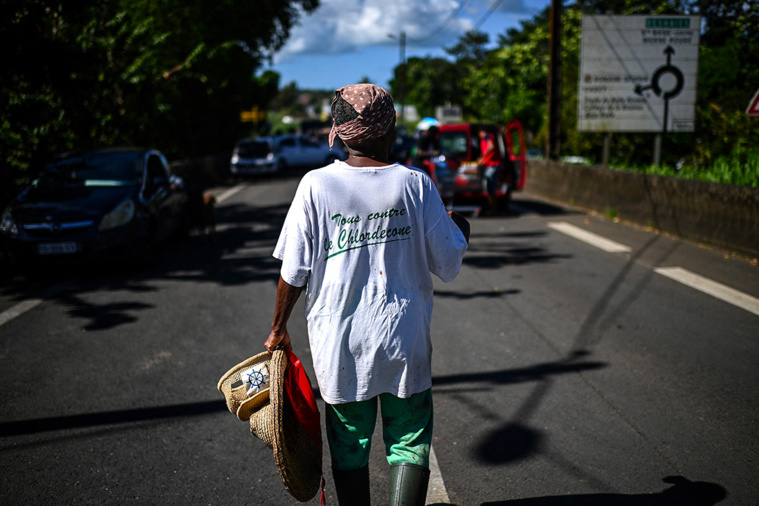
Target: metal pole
<point x="657" y="149"/>
<point x="607" y="148"/>
<point x="403" y="76"/>
<point x="553" y="140"/>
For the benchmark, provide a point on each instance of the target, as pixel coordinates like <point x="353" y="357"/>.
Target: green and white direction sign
<point x="638" y="73"/>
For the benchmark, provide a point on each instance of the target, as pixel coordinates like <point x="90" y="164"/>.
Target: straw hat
<point x="272" y="419"/>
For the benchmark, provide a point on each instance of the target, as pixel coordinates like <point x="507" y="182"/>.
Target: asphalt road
<point x="564" y="374"/>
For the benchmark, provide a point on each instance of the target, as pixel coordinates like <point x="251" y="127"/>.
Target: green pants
<point x="406" y="430"/>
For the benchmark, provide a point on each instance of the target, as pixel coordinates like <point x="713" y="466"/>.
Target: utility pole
<point x="403" y="76"/>
<point x="553" y="139"/>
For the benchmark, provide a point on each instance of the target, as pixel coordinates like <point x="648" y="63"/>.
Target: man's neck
<point x="361" y="160"/>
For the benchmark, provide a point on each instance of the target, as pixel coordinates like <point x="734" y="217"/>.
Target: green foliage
<point x="168" y="73"/>
<point x="429" y="82"/>
<point x="510" y="81"/>
<point x="739" y="167"/>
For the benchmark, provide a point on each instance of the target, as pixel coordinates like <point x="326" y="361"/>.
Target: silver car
<point x="262" y="155"/>
<point x="254" y="156"/>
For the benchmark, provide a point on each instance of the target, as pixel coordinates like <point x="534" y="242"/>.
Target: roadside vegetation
<point x="510" y="81"/>
<point x="739" y="168"/>
<point x="177" y="76"/>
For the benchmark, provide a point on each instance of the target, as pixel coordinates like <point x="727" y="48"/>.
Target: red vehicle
<point x="457" y="174"/>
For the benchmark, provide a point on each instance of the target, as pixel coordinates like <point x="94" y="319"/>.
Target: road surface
<point x="577" y="361"/>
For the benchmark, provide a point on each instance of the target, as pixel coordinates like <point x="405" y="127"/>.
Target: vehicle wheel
<point x="144" y="255"/>
<point x="182" y="231"/>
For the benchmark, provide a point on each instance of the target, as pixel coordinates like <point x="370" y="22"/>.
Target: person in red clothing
<point x="490" y="165"/>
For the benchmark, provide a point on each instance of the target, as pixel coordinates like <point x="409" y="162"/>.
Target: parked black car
<point x="95" y="205"/>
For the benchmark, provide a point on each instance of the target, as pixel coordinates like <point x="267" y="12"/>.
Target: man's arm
<point x="460" y="222"/>
<point x="287" y="296"/>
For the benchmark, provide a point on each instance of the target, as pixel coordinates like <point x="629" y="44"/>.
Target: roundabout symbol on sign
<point x="656" y="87"/>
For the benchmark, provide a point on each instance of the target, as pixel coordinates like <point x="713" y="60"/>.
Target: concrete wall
<point x="717" y="214"/>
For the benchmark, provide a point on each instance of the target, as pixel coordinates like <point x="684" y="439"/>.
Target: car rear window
<point x="253" y="149"/>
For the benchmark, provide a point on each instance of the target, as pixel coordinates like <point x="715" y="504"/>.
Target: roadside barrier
<point x="721" y="215"/>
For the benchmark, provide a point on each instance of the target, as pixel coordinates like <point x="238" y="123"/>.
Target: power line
<point x="442" y="25"/>
<point x="487" y="14"/>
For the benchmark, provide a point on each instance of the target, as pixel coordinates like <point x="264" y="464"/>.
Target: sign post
<point x="753" y="106"/>
<point x="254" y="115"/>
<point x="638" y="74"/>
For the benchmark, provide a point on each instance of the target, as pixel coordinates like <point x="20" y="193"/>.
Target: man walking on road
<point x="363" y="237"/>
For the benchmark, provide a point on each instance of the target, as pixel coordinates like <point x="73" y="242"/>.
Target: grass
<point x="739" y="168"/>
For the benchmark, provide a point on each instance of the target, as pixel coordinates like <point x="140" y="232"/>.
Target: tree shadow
<point x="492" y="294"/>
<point x="238" y="254"/>
<point x="537" y="372"/>
<point x="124" y="416"/>
<point x="491" y="256"/>
<point x="516" y="235"/>
<point x="682" y="492"/>
<point x="510" y="443"/>
<point x="541" y="208"/>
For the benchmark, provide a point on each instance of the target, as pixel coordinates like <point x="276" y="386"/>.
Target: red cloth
<point x="488" y="150"/>
<point x="298" y="389"/>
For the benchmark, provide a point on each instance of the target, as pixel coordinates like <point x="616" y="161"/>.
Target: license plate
<point x="57" y="248"/>
<point x="469" y="169"/>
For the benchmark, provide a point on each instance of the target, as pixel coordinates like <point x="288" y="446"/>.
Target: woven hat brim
<point x="297" y="455"/>
<point x="262" y="421"/>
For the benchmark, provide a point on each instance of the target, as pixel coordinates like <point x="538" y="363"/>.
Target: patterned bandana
<point x="376" y="113"/>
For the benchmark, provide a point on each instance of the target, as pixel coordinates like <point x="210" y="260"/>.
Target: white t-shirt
<point x="365" y="240"/>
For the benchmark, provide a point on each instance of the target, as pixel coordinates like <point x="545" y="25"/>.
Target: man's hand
<point x="460" y="222"/>
<point x="277" y="338"/>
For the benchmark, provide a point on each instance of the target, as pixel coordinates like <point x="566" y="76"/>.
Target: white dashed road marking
<point x="718" y="290"/>
<point x="17" y="310"/>
<point x="224" y="196"/>
<point x="588" y="237"/>
<point x="436" y="493"/>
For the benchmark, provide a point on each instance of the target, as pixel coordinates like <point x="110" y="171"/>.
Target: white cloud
<point x="345" y="26"/>
<point x="512" y="6"/>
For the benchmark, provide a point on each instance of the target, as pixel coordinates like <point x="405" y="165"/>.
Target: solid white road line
<point x="17" y="310"/>
<point x="588" y="237"/>
<point x="718" y="290"/>
<point x="224" y="196"/>
<point x="436" y="493"/>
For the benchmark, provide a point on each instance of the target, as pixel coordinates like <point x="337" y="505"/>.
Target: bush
<point x="740" y="167"/>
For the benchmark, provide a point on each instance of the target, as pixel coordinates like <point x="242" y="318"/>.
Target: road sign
<point x="254" y="115"/>
<point x="753" y="107"/>
<point x="449" y="113"/>
<point x="638" y="73"/>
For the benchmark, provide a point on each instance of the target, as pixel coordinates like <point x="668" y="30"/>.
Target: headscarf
<point x="376" y="113"/>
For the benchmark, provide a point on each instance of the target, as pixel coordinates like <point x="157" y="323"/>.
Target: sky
<point x="344" y="41"/>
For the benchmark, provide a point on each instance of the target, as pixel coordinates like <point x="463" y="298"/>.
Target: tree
<point x="430" y="82"/>
<point x="167" y="74"/>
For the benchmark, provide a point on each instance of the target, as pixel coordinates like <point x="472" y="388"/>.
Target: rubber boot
<point x="352" y="487"/>
<point x="408" y="484"/>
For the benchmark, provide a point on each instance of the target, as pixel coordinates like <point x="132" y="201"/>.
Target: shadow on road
<point x="523" y="206"/>
<point x="492" y="294"/>
<point x="118" y="417"/>
<point x="520" y="375"/>
<point x="682" y="492"/>
<point x="240" y="253"/>
<point x="490" y="257"/>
